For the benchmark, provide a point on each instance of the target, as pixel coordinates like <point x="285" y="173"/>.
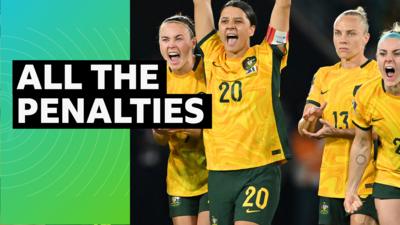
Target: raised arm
<point x="203" y="18"/>
<point x="280" y="17"/>
<point x="359" y="157"/>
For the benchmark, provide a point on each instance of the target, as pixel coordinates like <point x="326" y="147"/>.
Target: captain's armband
<point x="276" y="37"/>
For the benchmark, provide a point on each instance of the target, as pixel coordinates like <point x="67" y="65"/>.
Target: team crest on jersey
<point x="214" y="220"/>
<point x="324" y="210"/>
<point x="175" y="201"/>
<point x="249" y="64"/>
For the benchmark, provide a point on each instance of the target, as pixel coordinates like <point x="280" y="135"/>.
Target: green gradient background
<point x="71" y="176"/>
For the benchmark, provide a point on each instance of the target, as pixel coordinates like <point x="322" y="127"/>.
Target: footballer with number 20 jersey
<point x="247" y="118"/>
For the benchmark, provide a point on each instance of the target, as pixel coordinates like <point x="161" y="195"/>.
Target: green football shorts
<point x="187" y="206"/>
<point x="244" y="195"/>
<point x="331" y="210"/>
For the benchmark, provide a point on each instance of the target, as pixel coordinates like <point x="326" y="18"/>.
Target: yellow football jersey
<point x="247" y="118"/>
<point x="376" y="108"/>
<point x="186" y="173"/>
<point x="337" y="86"/>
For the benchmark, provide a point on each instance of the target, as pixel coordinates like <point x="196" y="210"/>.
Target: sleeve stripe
<point x="362" y="128"/>
<point x="205" y="38"/>
<point x="313" y="102"/>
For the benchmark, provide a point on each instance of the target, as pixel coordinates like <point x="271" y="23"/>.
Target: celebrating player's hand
<point x="326" y="131"/>
<point x="352" y="202"/>
<point x="313" y="113"/>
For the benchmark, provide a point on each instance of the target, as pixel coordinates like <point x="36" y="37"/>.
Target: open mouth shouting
<point x="174" y="57"/>
<point x="231" y="39"/>
<point x="390" y="71"/>
<point x="391" y="76"/>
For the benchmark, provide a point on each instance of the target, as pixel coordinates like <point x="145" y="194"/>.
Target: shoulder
<point x="198" y="69"/>
<point x="210" y="43"/>
<point x="267" y="49"/>
<point x="369" y="89"/>
<point x="323" y="72"/>
<point x="371" y="64"/>
<point x="326" y="69"/>
<point x="371" y="67"/>
<point x="371" y="85"/>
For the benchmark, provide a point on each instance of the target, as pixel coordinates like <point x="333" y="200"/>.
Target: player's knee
<point x="244" y="223"/>
<point x="360" y="219"/>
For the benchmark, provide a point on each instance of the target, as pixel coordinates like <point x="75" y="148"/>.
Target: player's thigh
<point x="245" y="223"/>
<point x="387" y="203"/>
<point x="183" y="206"/>
<point x="388" y="211"/>
<point x="223" y="186"/>
<point x="259" y="198"/>
<point x="203" y="218"/>
<point x="367" y="214"/>
<point x="184" y="220"/>
<point x="360" y="219"/>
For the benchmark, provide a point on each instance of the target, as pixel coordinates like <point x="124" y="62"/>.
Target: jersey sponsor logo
<point x="175" y="201"/>
<point x="324" y="209"/>
<point x="252" y="210"/>
<point x="249" y="64"/>
<point x="324" y="92"/>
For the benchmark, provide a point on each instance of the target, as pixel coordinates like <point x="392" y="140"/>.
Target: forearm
<point x="343" y="133"/>
<point x="280" y="15"/>
<point x="280" y="18"/>
<point x="359" y="158"/>
<point x="203" y="18"/>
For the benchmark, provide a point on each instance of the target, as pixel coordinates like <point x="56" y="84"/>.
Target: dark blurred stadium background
<point x="310" y="48"/>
